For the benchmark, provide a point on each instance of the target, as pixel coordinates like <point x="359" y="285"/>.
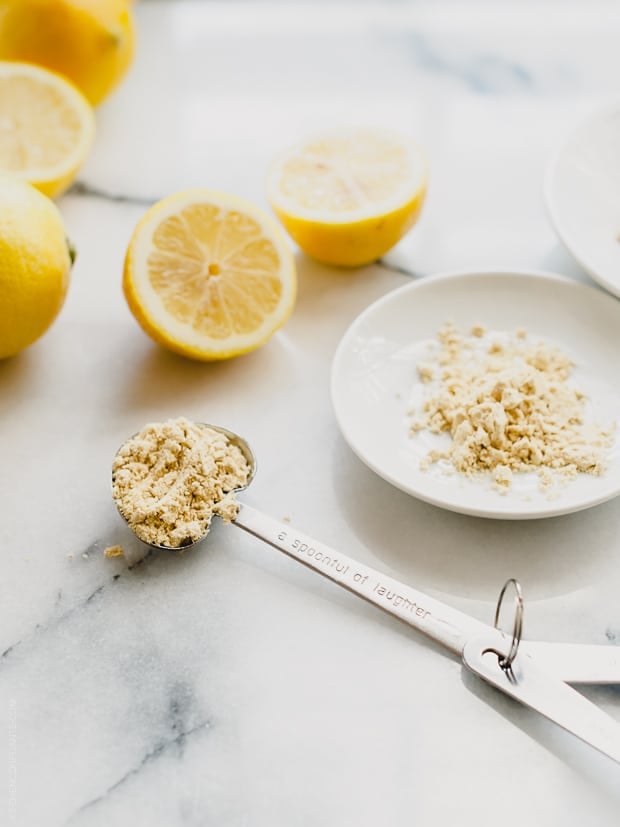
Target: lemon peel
<point x="90" y="43"/>
<point x="35" y="265"/>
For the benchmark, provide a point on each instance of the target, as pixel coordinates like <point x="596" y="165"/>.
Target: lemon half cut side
<point x="209" y="275"/>
<point x="348" y="196"/>
<point x="46" y="127"/>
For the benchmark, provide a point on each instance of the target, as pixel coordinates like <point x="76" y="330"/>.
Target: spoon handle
<point x="444" y="624"/>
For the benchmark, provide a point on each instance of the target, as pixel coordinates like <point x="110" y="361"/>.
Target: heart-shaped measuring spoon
<point x="448" y="626"/>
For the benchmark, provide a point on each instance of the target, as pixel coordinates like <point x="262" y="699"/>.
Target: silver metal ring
<point x="506" y="661"/>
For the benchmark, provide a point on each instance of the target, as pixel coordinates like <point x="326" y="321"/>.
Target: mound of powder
<point x="172" y="477"/>
<point x="509" y="405"/>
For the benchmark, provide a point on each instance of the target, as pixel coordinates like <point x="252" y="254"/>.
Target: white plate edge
<point x="549" y="201"/>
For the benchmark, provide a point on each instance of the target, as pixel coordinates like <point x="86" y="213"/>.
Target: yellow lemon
<point x="46" y="127"/>
<point x="209" y="275"/>
<point x="347" y="197"/>
<point x="91" y="42"/>
<point x="35" y="265"/>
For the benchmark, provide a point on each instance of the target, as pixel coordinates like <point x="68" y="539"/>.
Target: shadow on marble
<point x="583" y="759"/>
<point x="323" y="289"/>
<point x="158" y="378"/>
<point x="157" y="373"/>
<point x="424" y="544"/>
<point x="559" y="260"/>
<point x="18" y="374"/>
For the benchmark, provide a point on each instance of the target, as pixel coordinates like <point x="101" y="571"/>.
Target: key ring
<point x="506" y="660"/>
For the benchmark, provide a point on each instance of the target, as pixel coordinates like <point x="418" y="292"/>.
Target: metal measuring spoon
<point x="482" y="648"/>
<point x="398" y="599"/>
<point x="576" y="663"/>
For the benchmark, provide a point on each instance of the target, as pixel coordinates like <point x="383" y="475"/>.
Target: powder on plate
<point x="171" y="478"/>
<point x="508" y="406"/>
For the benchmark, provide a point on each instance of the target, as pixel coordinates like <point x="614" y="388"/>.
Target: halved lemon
<point x="347" y="197"/>
<point x="46" y="127"/>
<point x="209" y="275"/>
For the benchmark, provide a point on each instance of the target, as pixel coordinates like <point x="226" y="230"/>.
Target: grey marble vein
<point x="84" y="189"/>
<point x="56" y="621"/>
<point x="160" y="748"/>
<point x="399" y="268"/>
<point x="484" y="73"/>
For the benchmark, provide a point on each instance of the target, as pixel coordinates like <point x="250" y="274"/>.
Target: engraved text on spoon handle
<point x="444" y="624"/>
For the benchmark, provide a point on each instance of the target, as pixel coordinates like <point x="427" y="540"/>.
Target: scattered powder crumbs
<point x="426" y="372"/>
<point x="113" y="551"/>
<point x="509" y="406"/>
<point x="171" y="478"/>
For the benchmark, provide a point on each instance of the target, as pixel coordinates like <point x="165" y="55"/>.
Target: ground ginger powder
<point x="509" y="407"/>
<point x="172" y="477"/>
<point x="113" y="551"/>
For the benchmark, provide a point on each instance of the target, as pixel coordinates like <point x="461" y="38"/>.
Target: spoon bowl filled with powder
<point x="172" y="477"/>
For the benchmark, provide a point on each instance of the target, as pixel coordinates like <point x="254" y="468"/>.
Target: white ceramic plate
<point x="374" y="380"/>
<point x="582" y="192"/>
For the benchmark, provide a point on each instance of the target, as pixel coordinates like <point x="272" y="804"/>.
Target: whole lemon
<point x="35" y="265"/>
<point x="91" y="42"/>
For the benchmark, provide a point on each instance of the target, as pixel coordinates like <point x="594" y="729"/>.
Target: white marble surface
<point x="231" y="686"/>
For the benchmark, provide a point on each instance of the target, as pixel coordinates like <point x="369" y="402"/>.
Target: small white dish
<point x="374" y="378"/>
<point x="582" y="193"/>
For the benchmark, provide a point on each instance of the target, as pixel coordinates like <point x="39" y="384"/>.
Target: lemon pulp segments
<point x="345" y="173"/>
<point x="208" y="275"/>
<point x="230" y="272"/>
<point x="23" y="145"/>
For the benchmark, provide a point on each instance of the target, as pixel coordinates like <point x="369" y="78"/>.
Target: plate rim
<point x="550" y="202"/>
<point x="486" y="513"/>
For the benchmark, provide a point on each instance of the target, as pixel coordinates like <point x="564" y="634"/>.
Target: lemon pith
<point x="209" y="275"/>
<point x="349" y="196"/>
